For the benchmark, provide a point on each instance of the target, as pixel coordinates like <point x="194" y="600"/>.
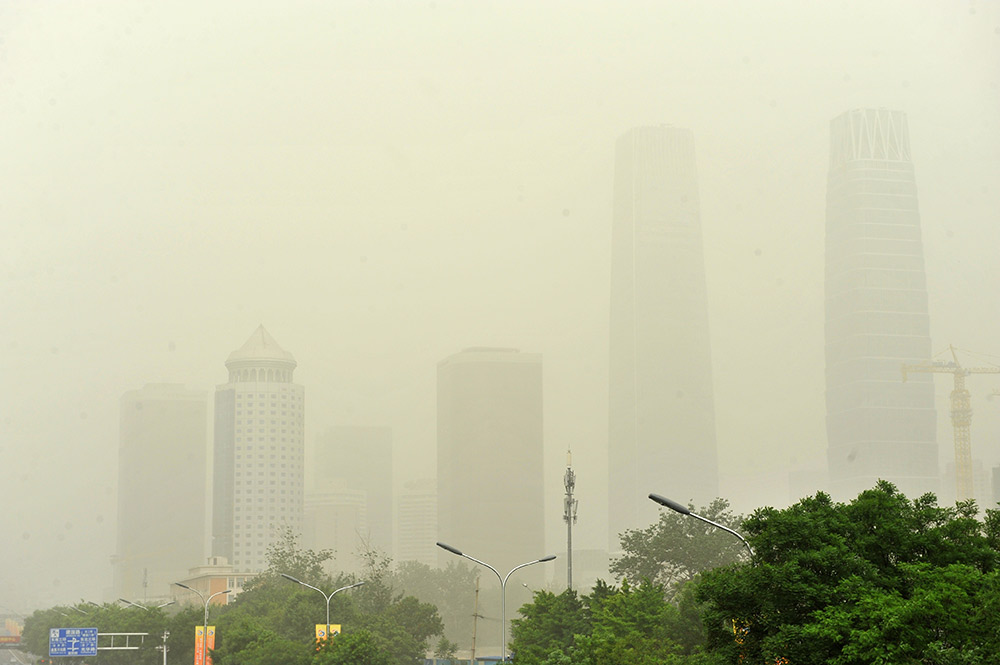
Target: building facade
<point x="259" y="448"/>
<point x="661" y="417"/>
<point x="336" y="519"/>
<point x="417" y="522"/>
<point x="878" y="427"/>
<point x="489" y="457"/>
<point x="359" y="458"/>
<point x="162" y="478"/>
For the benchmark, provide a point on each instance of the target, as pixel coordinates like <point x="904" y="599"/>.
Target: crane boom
<point x="961" y="415"/>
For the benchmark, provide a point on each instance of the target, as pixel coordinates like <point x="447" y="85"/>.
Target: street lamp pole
<point x="503" y="589"/>
<point x="684" y="510"/>
<point x="328" y="598"/>
<point x="204" y="634"/>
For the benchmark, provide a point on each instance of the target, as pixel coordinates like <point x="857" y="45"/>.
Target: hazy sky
<point x="382" y="184"/>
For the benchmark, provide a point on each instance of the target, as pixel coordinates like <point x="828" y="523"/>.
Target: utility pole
<point x="569" y="515"/>
<point x="475" y="619"/>
<point x="164" y="648"/>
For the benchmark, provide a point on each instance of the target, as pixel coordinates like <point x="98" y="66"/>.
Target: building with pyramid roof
<point x="259" y="448"/>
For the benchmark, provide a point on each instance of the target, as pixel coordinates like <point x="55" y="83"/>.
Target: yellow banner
<point x="321" y="631"/>
<point x="199" y="644"/>
<point x="200" y="657"/>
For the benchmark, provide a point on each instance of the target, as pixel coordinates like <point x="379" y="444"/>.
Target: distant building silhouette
<point x="417" y="523"/>
<point x="490" y="499"/>
<point x="336" y="519"/>
<point x="162" y="465"/>
<point x="359" y="459"/>
<point x="661" y="414"/>
<point x="258" y="475"/>
<point x="876" y="311"/>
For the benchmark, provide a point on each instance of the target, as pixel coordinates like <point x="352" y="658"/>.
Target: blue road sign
<point x="72" y="642"/>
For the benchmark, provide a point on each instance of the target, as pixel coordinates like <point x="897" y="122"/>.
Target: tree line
<point x="879" y="579"/>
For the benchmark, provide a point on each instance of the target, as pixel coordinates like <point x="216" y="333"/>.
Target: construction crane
<point x="961" y="415"/>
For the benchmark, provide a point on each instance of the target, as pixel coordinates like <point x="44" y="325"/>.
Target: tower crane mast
<point x="961" y="415"/>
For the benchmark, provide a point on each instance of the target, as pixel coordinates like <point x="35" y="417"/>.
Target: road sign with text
<point x="72" y="642"/>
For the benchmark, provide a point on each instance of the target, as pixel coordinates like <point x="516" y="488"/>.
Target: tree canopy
<point x="881" y="579"/>
<point x="677" y="547"/>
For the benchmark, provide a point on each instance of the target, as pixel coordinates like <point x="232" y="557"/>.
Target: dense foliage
<point x="881" y="579"/>
<point x="677" y="547"/>
<point x="272" y="621"/>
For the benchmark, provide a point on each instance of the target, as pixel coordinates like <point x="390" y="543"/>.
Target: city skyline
<point x="384" y="184"/>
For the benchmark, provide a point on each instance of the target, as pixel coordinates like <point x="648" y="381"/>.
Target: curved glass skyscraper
<point x="661" y="411"/>
<point x="876" y="311"/>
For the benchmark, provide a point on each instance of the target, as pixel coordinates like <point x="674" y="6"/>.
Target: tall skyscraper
<point x="359" y="458"/>
<point x="259" y="445"/>
<point x="876" y="311"/>
<point x="489" y="462"/>
<point x="661" y="414"/>
<point x="162" y="474"/>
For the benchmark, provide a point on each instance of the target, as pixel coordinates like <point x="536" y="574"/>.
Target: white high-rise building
<point x="259" y="448"/>
<point x="162" y="458"/>
<point x="661" y="414"/>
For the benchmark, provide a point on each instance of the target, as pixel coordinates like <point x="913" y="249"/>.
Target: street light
<point x="332" y="594"/>
<point x="148" y="609"/>
<point x="503" y="589"/>
<point x="684" y="510"/>
<point x="204" y="635"/>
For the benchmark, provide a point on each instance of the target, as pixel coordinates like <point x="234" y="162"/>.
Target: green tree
<point x="878" y="580"/>
<point x="360" y="648"/>
<point x="451" y="589"/>
<point x="549" y="624"/>
<point x="677" y="547"/>
<point x="248" y="641"/>
<point x="107" y="618"/>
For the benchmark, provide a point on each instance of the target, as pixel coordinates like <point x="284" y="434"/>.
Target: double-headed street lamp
<point x="204" y="635"/>
<point x="332" y="594"/>
<point x="148" y="609"/>
<point x="684" y="510"/>
<point x="503" y="589"/>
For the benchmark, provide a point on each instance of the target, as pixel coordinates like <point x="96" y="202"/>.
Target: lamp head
<point x="672" y="505"/>
<point x="450" y="549"/>
<point x="547" y="558"/>
<point x="289" y="577"/>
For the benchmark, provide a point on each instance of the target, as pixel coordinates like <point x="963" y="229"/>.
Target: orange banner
<point x="199" y="645"/>
<point x="211" y="644"/>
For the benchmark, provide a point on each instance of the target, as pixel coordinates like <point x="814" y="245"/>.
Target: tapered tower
<point x="661" y="412"/>
<point x="876" y="311"/>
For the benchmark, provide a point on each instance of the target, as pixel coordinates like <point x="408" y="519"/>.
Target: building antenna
<point x="569" y="515"/>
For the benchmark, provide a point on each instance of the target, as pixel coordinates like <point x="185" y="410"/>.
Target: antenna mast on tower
<point x="569" y="515"/>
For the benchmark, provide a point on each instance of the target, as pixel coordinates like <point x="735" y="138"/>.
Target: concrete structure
<point x="359" y="459"/>
<point x="417" y="523"/>
<point x="259" y="447"/>
<point x="489" y="461"/>
<point x="876" y="312"/>
<point x="661" y="415"/>
<point x="162" y="474"/>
